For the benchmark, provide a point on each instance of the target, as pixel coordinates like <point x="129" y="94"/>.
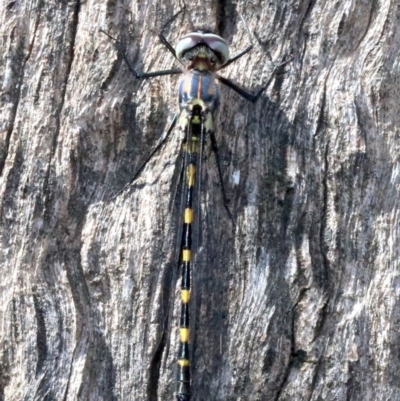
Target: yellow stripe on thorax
<point x="200" y="86"/>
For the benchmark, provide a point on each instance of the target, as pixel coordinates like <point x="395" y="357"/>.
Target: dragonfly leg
<point x="244" y="93"/>
<point x="139" y="75"/>
<point x="243" y="52"/>
<point x="160" y="143"/>
<point x="163" y="39"/>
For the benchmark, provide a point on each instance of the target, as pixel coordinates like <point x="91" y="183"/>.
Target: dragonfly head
<point x="202" y="50"/>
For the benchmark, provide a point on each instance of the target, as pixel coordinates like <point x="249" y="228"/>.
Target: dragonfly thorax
<point x="198" y="88"/>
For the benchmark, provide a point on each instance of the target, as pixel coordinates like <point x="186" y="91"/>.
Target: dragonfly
<point x="201" y="54"/>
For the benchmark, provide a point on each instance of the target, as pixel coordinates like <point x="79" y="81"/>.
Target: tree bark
<point x="295" y="299"/>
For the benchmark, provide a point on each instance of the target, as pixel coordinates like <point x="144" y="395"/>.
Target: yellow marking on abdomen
<point x="186" y="255"/>
<point x="185" y="295"/>
<point x="183" y="362"/>
<point x="191" y="147"/>
<point x="191" y="172"/>
<point x="188" y="216"/>
<point x="196" y="120"/>
<point x="184" y="334"/>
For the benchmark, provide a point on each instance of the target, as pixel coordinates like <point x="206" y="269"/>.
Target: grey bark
<point x="296" y="301"/>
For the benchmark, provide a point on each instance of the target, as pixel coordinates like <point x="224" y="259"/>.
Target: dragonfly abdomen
<point x="190" y="147"/>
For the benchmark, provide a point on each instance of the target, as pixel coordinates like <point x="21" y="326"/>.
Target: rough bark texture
<point x="297" y="301"/>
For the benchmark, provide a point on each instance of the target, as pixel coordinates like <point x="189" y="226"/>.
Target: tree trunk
<point x="295" y="298"/>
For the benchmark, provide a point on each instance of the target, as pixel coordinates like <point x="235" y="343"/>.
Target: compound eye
<point x="218" y="45"/>
<point x="186" y="43"/>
